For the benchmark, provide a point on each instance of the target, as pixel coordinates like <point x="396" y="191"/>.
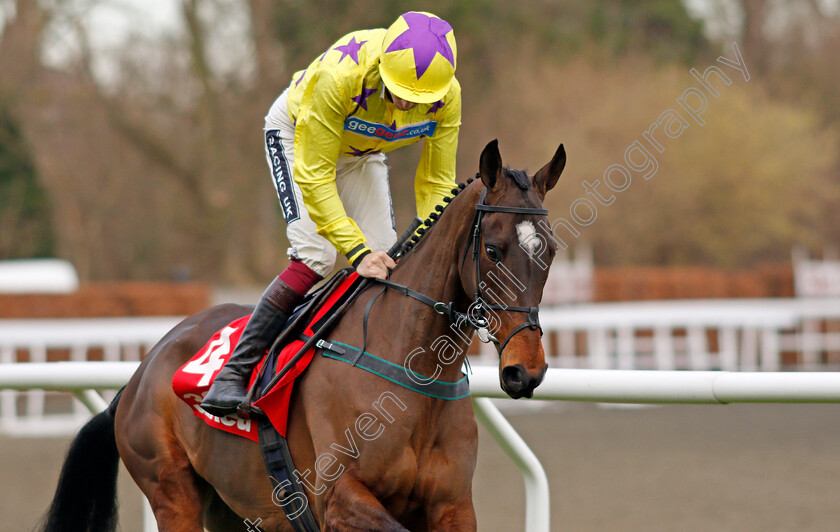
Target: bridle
<point x="478" y="319"/>
<point x="533" y="321"/>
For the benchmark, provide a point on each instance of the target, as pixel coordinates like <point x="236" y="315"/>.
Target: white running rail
<point x="730" y="335"/>
<point x="40" y="413"/>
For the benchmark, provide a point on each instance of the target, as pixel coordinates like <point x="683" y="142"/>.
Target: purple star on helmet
<point x="351" y="49"/>
<point x="302" y="74"/>
<point x="358" y="153"/>
<point x="362" y="98"/>
<point x="426" y="36"/>
<point x="435" y="107"/>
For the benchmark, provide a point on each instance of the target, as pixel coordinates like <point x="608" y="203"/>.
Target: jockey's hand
<point x="376" y="264"/>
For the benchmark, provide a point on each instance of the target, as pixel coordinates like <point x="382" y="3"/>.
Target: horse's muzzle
<point x="517" y="382"/>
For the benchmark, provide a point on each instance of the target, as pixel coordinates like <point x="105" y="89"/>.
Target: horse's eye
<point x="493" y="253"/>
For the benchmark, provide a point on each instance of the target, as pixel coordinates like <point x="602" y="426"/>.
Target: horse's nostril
<point x="517" y="382"/>
<point x="515" y="378"/>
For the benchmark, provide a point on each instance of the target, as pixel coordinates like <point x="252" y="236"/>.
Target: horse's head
<point x="505" y="264"/>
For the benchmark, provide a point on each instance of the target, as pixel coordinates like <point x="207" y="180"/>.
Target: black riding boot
<point x="230" y="386"/>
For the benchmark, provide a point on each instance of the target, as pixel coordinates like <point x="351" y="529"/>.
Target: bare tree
<point x="111" y="155"/>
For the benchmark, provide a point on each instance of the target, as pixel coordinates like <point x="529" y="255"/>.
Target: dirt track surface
<point x="738" y="468"/>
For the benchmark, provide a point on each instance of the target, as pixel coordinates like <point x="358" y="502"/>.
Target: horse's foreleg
<point x="349" y="505"/>
<point x="453" y="516"/>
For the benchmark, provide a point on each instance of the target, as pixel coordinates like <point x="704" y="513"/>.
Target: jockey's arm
<point x="435" y="175"/>
<point x="318" y="131"/>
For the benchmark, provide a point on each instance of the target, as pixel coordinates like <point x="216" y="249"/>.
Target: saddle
<point x="194" y="378"/>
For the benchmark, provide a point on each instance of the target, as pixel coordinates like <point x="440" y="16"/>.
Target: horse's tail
<point x="86" y="496"/>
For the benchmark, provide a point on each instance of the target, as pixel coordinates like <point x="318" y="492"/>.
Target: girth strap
<point x="394" y="372"/>
<point x="287" y="491"/>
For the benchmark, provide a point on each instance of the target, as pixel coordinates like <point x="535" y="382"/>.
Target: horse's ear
<point x="548" y="175"/>
<point x="490" y="164"/>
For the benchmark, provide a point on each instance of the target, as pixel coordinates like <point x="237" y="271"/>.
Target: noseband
<point x="478" y="321"/>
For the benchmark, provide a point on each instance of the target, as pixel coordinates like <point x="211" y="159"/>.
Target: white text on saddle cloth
<point x="192" y="381"/>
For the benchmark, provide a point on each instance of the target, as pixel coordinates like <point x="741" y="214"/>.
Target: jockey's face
<point x="402" y="105"/>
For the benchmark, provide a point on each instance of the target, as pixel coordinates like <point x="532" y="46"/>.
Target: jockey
<point x="371" y="92"/>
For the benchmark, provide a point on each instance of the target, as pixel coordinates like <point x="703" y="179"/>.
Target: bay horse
<point x="416" y="474"/>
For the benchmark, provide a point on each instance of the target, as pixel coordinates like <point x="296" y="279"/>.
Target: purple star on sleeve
<point x="359" y="153"/>
<point x="351" y="49"/>
<point x="417" y="37"/>
<point x="362" y="98"/>
<point x="435" y="107"/>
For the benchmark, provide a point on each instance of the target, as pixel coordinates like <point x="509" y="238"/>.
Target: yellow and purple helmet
<point x="418" y="57"/>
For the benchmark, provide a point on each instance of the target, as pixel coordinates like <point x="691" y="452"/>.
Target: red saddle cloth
<point x="192" y="380"/>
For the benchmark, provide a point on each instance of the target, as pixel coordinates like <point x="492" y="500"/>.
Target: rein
<point x="478" y="322"/>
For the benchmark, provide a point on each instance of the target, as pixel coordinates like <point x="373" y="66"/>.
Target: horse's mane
<point x="435" y="215"/>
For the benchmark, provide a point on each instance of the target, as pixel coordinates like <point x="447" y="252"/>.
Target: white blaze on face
<point x="526" y="233"/>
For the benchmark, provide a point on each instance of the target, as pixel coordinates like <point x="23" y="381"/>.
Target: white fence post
<point x="749" y="349"/>
<point x="663" y="346"/>
<point x="596" y="340"/>
<point x="770" y="352"/>
<point x="698" y="352"/>
<point x="537" y="499"/>
<point x="149" y="521"/>
<point x="35" y="398"/>
<point x="625" y="348"/>
<point x="728" y="348"/>
<point x="8" y="398"/>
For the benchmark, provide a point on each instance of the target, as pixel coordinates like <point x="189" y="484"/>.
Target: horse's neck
<point x="432" y="268"/>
